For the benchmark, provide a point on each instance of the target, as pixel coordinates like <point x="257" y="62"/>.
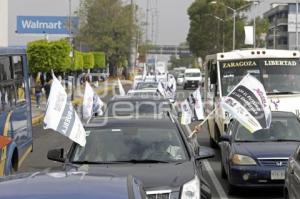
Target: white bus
<point x="278" y="70"/>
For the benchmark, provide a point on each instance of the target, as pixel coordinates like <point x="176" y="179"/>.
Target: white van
<point x="192" y="78"/>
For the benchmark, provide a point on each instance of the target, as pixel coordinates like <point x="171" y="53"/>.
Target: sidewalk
<point x="38" y="113"/>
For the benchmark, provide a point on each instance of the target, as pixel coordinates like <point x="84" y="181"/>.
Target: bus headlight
<point x="191" y="189"/>
<point x="238" y="159"/>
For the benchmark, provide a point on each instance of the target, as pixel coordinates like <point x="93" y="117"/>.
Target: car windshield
<point x="131" y="143"/>
<point x="282" y="129"/>
<point x="146" y="85"/>
<point x="278" y="76"/>
<point x="138" y="108"/>
<point x="192" y="74"/>
<point x="144" y="94"/>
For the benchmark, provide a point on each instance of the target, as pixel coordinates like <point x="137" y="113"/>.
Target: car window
<point x="285" y="128"/>
<point x="146" y="85"/>
<point x="127" y="143"/>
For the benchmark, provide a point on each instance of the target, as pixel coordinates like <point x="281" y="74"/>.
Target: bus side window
<point x="19" y="78"/>
<point x="213" y="78"/>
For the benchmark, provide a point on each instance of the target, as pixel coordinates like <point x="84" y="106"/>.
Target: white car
<point x="192" y="78"/>
<point x="180" y="79"/>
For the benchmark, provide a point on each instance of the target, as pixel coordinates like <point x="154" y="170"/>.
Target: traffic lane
<point x="212" y="170"/>
<point x="45" y="140"/>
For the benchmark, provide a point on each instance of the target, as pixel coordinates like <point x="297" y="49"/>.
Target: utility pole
<point x="297" y="33"/>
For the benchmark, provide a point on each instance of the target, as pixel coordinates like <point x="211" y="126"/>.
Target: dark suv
<point x="155" y="151"/>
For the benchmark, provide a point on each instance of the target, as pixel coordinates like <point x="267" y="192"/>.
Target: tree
<point x="88" y="60"/>
<point x="261" y="29"/>
<point x="205" y="33"/>
<point x="44" y="56"/>
<point x="108" y="26"/>
<point x="99" y="58"/>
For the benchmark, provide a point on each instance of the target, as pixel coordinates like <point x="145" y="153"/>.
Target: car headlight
<point x="191" y="189"/>
<point x="238" y="159"/>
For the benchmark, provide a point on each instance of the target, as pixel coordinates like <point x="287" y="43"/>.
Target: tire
<point x="214" y="143"/>
<point x="286" y="194"/>
<point x="184" y="87"/>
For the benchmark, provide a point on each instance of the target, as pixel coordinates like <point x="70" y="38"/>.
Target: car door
<point x="295" y="175"/>
<point x="226" y="145"/>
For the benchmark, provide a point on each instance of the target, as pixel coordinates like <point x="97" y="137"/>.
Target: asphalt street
<point x="45" y="140"/>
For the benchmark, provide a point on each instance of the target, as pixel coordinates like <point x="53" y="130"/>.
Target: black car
<point x="259" y="159"/>
<point x="138" y="106"/>
<point x="157" y="152"/>
<point x="69" y="185"/>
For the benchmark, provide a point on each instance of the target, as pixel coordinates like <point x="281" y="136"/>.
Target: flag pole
<point x="199" y="125"/>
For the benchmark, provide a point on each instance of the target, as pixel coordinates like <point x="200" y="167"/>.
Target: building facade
<point x="282" y="27"/>
<point x="24" y="21"/>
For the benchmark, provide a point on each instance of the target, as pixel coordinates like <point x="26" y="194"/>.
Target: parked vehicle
<point x="259" y="159"/>
<point x="180" y="79"/>
<point x="75" y="185"/>
<point x="292" y="176"/>
<point x="156" y="151"/>
<point x="15" y="109"/>
<point x="192" y="78"/>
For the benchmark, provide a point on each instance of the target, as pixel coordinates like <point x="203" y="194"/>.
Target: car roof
<point x="142" y="121"/>
<point x="62" y="184"/>
<point x="136" y="98"/>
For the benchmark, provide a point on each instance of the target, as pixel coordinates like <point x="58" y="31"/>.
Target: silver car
<point x="292" y="179"/>
<point x="180" y="79"/>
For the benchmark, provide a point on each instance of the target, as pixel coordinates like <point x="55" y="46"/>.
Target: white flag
<point x="249" y="35"/>
<point x="161" y="89"/>
<point x="186" y="117"/>
<point x="91" y="103"/>
<point x="196" y="104"/>
<point x="121" y="89"/>
<point x="248" y="104"/>
<point x="61" y="116"/>
<point x="171" y="88"/>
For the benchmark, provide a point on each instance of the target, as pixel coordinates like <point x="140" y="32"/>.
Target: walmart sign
<point x="45" y="24"/>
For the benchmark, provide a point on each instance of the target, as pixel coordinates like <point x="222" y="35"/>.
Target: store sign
<point x="45" y="24"/>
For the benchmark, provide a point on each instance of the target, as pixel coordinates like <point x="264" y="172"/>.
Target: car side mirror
<point x="56" y="155"/>
<point x="205" y="153"/>
<point x="225" y="138"/>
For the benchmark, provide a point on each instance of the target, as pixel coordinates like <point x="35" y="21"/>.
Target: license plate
<point x="277" y="175"/>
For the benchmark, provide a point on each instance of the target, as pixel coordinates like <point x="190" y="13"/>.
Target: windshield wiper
<point x="285" y="140"/>
<point x="282" y="93"/>
<point x="142" y="161"/>
<point x="93" y="162"/>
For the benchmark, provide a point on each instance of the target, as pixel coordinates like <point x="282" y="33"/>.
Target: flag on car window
<point x="186" y="117"/>
<point x="161" y="89"/>
<point x="171" y="88"/>
<point x="195" y="101"/>
<point x="194" y="111"/>
<point x="92" y="104"/>
<point x="248" y="104"/>
<point x="121" y="89"/>
<point x="61" y="116"/>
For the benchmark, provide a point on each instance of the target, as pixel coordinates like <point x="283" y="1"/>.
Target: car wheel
<point x="223" y="172"/>
<point x="286" y="194"/>
<point x="214" y="143"/>
<point x="184" y="87"/>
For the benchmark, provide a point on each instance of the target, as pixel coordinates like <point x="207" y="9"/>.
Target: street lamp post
<point x="223" y="35"/>
<point x="234" y="17"/>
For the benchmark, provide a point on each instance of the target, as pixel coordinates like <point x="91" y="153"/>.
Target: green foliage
<point x="99" y="58"/>
<point x="181" y="61"/>
<point x="88" y="60"/>
<point x="206" y="32"/>
<point x="261" y="30"/>
<point x="108" y="26"/>
<point x="46" y="56"/>
<point x="78" y="61"/>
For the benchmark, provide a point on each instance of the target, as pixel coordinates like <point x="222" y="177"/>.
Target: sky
<point x="173" y="23"/>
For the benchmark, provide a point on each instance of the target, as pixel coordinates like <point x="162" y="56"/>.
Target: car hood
<point x="265" y="149"/>
<point x="153" y="176"/>
<point x="61" y="184"/>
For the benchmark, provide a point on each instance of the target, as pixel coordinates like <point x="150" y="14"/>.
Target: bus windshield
<point x="277" y="75"/>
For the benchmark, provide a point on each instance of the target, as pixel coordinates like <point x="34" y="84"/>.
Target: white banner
<point x="61" y="116"/>
<point x="161" y="89"/>
<point x="186" y="117"/>
<point x="91" y="103"/>
<point x="249" y="38"/>
<point x="248" y="104"/>
<point x="196" y="104"/>
<point x="171" y="88"/>
<point x="121" y="89"/>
